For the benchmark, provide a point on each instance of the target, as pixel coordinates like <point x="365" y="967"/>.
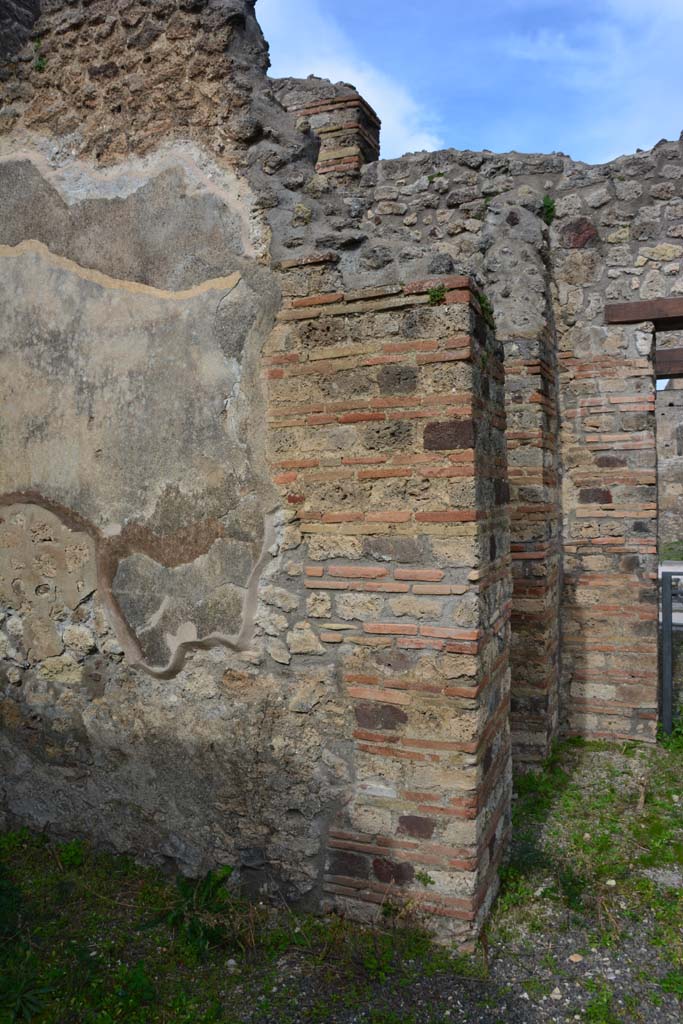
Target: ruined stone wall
<point x="257" y="571"/>
<point x="254" y="581"/>
<point x="388" y="431"/>
<point x="119" y="76"/>
<point x="139" y="512"/>
<point x="579" y="396"/>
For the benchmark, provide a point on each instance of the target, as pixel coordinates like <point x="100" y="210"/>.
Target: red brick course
<point x="419" y="722"/>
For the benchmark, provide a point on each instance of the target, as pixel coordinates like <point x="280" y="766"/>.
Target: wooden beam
<point x="666" y="314"/>
<point x="669" y="362"/>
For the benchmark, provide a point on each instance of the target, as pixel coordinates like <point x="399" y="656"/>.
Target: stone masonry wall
<point x="669" y="404"/>
<point x="139" y="516"/>
<point x="614" y="236"/>
<point x="256" y="568"/>
<point x="282" y="649"/>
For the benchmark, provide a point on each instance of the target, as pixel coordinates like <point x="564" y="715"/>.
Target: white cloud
<point x="547" y="45"/>
<point x="306" y="40"/>
<point x="621" y="61"/>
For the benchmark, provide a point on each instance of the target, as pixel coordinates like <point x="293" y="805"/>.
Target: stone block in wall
<point x="398" y="483"/>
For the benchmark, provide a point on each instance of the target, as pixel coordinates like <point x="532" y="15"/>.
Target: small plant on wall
<point x="39" y="63"/>
<point x="548" y="210"/>
<point x="486" y="307"/>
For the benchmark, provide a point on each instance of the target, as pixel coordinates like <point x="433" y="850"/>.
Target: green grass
<point x="672" y="551"/>
<point x="89" y="938"/>
<point x="587" y="828"/>
<point x="600" y="1007"/>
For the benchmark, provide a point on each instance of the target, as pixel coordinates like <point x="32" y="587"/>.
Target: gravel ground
<point x="589" y="925"/>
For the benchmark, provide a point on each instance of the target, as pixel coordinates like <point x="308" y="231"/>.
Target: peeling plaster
<point x="223" y="284"/>
<point x="77" y="180"/>
<point x="110" y="551"/>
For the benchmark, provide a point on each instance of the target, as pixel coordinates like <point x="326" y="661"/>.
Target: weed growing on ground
<point x="72" y="854"/>
<point x="674" y="740"/>
<point x="673" y="982"/>
<point x="600" y="1008"/>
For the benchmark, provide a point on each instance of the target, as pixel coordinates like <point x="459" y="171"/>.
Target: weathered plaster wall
<point x="138" y="511"/>
<point x="138" y="519"/>
<point x="131" y="391"/>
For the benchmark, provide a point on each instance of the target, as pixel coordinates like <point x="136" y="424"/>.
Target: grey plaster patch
<point x="186" y="601"/>
<point x="166" y="233"/>
<point x="46" y="572"/>
<point x="78" y="180"/>
<point x="171" y="767"/>
<point x="134" y="401"/>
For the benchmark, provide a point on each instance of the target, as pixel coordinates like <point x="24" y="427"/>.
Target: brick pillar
<point x="535" y="544"/>
<point x="387" y="438"/>
<point x="347" y="126"/>
<point x="610" y="600"/>
<point x="525" y="328"/>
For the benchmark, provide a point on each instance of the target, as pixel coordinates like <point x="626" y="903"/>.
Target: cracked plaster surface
<point x="132" y="395"/>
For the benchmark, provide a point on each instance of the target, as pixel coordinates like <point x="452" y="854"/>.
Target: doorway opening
<point x="666" y="315"/>
<point x="669" y="439"/>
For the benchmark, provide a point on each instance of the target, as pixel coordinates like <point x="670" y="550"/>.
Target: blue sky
<point x="591" y="78"/>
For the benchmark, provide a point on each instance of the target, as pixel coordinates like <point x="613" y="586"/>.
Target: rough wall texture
<point x="388" y="417"/>
<point x="179" y="506"/>
<point x="669" y="405"/>
<point x="122" y="76"/>
<point x="261" y="547"/>
<point x="139" y="513"/>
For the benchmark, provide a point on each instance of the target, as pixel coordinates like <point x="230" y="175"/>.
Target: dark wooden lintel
<point x="669" y="362"/>
<point x="666" y="314"/>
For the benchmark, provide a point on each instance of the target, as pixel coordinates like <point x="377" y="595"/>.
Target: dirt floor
<point x="588" y="926"/>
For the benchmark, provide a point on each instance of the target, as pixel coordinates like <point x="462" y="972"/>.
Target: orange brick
<point x="446" y="517"/>
<point x="422" y="575"/>
<point x="357" y="571"/>
<point x="361" y="417"/>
